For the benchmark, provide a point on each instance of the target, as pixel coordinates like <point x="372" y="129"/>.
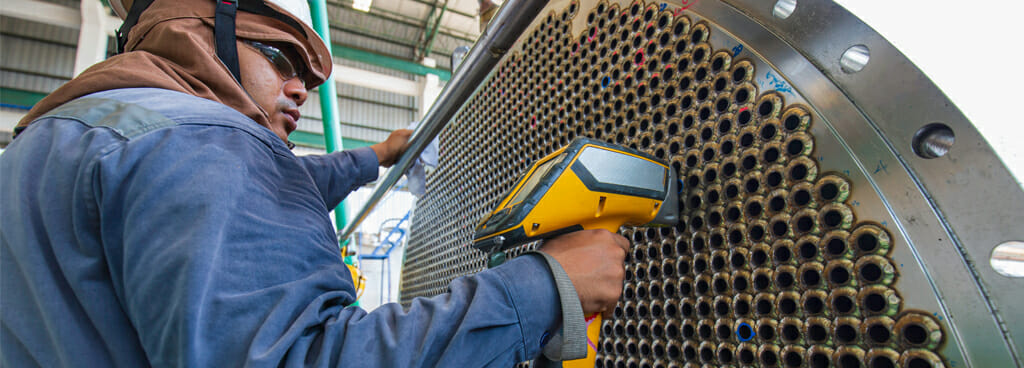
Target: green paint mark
<point x="19" y="97"/>
<point x="316" y="140"/>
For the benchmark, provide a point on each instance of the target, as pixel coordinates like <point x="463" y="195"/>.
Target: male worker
<point x="153" y="215"/>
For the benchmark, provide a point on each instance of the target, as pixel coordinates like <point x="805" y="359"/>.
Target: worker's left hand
<point x="390" y="150"/>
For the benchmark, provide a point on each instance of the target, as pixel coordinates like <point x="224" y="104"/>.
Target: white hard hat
<point x="294" y="13"/>
<point x="296" y="9"/>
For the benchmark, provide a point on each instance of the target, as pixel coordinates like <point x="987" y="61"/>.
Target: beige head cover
<point x="172" y="47"/>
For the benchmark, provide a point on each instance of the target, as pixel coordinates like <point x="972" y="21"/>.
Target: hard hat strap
<point x="223" y="28"/>
<point x="224" y="35"/>
<point x="133" y="17"/>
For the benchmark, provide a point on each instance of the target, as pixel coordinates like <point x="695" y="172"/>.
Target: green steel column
<point x="328" y="99"/>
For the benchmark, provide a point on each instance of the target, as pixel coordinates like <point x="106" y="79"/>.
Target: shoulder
<point x="133" y="113"/>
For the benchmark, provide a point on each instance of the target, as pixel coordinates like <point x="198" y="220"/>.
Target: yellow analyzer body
<point x="588" y="184"/>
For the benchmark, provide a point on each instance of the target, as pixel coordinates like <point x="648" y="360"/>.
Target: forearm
<point x="339" y="173"/>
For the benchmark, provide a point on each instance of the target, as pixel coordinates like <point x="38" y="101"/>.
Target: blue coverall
<point x="145" y="227"/>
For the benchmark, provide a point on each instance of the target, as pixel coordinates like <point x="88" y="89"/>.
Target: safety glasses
<point x="284" y="65"/>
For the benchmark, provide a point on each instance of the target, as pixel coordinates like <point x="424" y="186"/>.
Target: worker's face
<point x="266" y="76"/>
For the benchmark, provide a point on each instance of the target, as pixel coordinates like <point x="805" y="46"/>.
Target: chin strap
<point x="133" y="17"/>
<point x="224" y="35"/>
<point x="223" y="29"/>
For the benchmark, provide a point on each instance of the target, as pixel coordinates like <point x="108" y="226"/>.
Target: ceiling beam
<point x="462" y="13"/>
<point x="406" y="20"/>
<point x="389" y="62"/>
<point x="378" y="81"/>
<point x="430" y="32"/>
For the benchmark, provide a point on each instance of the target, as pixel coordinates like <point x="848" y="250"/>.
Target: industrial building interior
<point x="850" y="189"/>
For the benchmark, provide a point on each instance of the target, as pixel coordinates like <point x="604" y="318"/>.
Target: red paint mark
<point x="643" y="58"/>
<point x="744" y="109"/>
<point x="687" y="4"/>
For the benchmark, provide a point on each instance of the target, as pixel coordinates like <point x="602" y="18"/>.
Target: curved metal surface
<point x="939" y="203"/>
<point x="878" y="149"/>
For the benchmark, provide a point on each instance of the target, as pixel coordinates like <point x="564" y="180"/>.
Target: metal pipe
<point x="512" y="19"/>
<point x="328" y="98"/>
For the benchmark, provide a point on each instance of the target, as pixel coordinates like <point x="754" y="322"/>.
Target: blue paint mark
<point x="847" y="172"/>
<point x="681" y="186"/>
<point x="778" y="83"/>
<point x="737" y="50"/>
<point x="901" y="265"/>
<point x="885" y="223"/>
<point x="663" y="5"/>
<point x="855" y="203"/>
<point x="605" y="81"/>
<point x="745" y="329"/>
<point x="881" y="167"/>
<point x="821" y="158"/>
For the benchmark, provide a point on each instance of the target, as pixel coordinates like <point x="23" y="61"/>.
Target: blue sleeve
<point x="338" y="174"/>
<point x="222" y="255"/>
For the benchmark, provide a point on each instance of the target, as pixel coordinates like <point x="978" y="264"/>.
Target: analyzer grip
<point x="593" y="324"/>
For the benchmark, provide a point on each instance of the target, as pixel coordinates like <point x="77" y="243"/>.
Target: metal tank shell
<point x="829" y="217"/>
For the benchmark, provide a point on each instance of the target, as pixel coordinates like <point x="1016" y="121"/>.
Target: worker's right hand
<point x="593" y="259"/>
<point x="390" y="150"/>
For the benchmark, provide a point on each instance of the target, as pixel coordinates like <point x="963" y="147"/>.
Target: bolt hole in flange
<point x="854" y="59"/>
<point x="933" y="140"/>
<point x="784" y="8"/>
<point x="1008" y="259"/>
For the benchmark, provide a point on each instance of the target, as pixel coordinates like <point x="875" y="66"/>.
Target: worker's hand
<point x="390" y="150"/>
<point x="594" y="261"/>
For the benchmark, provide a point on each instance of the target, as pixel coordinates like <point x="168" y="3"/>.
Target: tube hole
<point x="819" y="360"/>
<point x="839" y="276"/>
<point x="769" y="358"/>
<point x="766" y="331"/>
<point x="846" y="334"/>
<point x="817" y="333"/>
<point x="843" y="304"/>
<point x="915" y="334"/>
<point x="805" y="224"/>
<point x="875" y="302"/>
<point x="793" y="359"/>
<point x="867" y="243"/>
<point x="788" y="307"/>
<point x="871" y="272"/>
<point x="808" y="250"/>
<point x="879" y="333"/>
<point x="848" y="361"/>
<point x="756" y="232"/>
<point x="739" y="74"/>
<point x="814" y="305"/>
<point x="811" y="278"/>
<point x="829" y="191"/>
<point x="784" y="280"/>
<point x="798" y="172"/>
<point x="833" y="218"/>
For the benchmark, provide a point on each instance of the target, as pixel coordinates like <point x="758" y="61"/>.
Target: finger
<point x="621" y="242"/>
<point x="607" y="314"/>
